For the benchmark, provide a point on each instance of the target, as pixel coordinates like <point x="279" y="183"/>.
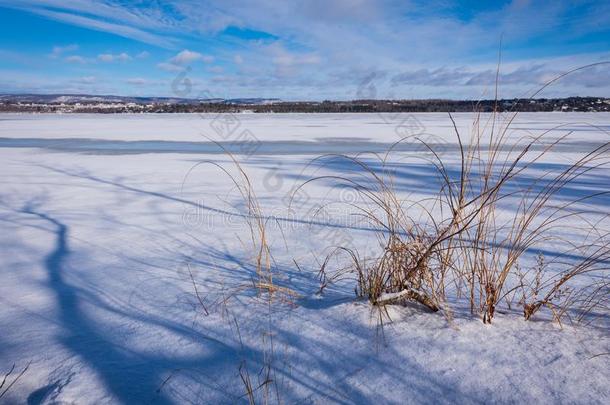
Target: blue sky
<point x="306" y="49"/>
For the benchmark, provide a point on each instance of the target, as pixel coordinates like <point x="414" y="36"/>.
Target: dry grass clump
<point x="413" y="264"/>
<point x="463" y="242"/>
<point x="555" y="292"/>
<point x="262" y="387"/>
<point x="402" y="272"/>
<point x="489" y="248"/>
<point x="256" y="222"/>
<point x="467" y="242"/>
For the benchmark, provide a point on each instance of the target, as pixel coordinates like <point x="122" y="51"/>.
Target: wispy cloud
<point x="117" y="18"/>
<point x="61" y="50"/>
<point x="108" y="57"/>
<point x="421" y="48"/>
<point x="169" y="67"/>
<point x="86" y="80"/>
<point x="289" y="63"/>
<point x="75" y="59"/>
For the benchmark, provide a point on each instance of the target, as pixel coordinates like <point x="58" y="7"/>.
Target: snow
<point x="387" y="297"/>
<point x="95" y="288"/>
<point x="385" y="127"/>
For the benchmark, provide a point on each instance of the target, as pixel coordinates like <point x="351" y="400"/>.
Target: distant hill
<point x="88" y="98"/>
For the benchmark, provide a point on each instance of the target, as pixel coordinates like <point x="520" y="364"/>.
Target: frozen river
<point x="109" y="220"/>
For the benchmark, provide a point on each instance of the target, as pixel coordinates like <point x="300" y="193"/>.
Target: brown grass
<point x="467" y="242"/>
<point x="256" y="221"/>
<point x="461" y="239"/>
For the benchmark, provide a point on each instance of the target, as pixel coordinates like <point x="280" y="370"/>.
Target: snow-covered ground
<point x="109" y="221"/>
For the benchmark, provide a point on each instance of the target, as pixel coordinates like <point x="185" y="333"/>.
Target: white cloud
<point x="186" y="57"/>
<point x="75" y="59"/>
<point x="108" y="57"/>
<point x="183" y="59"/>
<point x="238" y="59"/>
<point x="60" y="50"/>
<point x="169" y="67"/>
<point x="289" y="63"/>
<point x="142" y="55"/>
<point x="105" y="57"/>
<point x="87" y="80"/>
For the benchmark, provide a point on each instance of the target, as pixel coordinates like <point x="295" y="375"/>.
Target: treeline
<point x="558" y="104"/>
<point x="354" y="106"/>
